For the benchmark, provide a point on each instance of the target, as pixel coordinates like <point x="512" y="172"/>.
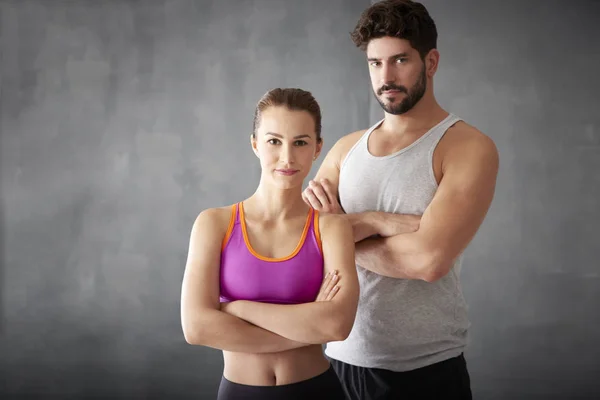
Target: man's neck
<point x="422" y="117"/>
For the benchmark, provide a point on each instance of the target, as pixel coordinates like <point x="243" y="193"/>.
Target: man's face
<point x="398" y="74"/>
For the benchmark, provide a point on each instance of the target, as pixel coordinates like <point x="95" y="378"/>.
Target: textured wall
<point x="121" y="120"/>
<point x="525" y="73"/>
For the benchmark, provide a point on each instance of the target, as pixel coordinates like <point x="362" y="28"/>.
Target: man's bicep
<point x="461" y="202"/>
<point x="329" y="168"/>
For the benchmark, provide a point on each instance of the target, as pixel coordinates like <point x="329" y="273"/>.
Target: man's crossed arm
<point x="322" y="196"/>
<point x="409" y="247"/>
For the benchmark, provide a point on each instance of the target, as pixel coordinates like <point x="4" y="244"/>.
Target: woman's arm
<point x="202" y="320"/>
<point x="321" y="321"/>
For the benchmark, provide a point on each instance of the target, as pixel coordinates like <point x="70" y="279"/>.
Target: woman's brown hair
<point x="292" y="98"/>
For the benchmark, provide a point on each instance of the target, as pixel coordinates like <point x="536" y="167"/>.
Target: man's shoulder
<point x="352" y="137"/>
<point x="463" y="144"/>
<point x="345" y="143"/>
<point x="464" y="138"/>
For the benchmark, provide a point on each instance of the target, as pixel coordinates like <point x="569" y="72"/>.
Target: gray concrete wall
<point x="121" y="120"/>
<point x="525" y="73"/>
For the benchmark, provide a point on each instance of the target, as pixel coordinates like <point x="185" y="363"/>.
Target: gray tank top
<point x="401" y="324"/>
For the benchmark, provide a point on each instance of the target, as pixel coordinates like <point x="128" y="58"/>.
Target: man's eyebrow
<point x="399" y="55"/>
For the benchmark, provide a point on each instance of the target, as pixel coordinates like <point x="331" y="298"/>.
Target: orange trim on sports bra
<point x="255" y="254"/>
<point x="230" y="227"/>
<point x="317" y="232"/>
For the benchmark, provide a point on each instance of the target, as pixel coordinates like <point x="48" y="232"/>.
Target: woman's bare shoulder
<point x="218" y="218"/>
<point x="334" y="224"/>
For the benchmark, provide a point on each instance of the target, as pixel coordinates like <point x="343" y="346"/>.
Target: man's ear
<point x="432" y="60"/>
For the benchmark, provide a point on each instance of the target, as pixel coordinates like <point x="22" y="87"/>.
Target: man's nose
<point x="387" y="75"/>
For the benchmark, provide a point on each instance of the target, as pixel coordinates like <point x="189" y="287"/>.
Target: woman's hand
<point x="329" y="288"/>
<point x="229" y="308"/>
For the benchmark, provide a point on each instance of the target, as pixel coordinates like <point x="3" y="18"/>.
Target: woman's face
<point x="286" y="144"/>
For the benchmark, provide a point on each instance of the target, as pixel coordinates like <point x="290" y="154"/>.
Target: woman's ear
<point x="253" y="144"/>
<point x="319" y="148"/>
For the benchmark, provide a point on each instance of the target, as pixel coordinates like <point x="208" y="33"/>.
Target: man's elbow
<point x="432" y="275"/>
<point x="434" y="267"/>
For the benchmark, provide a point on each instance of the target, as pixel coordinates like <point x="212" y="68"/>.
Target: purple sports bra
<point x="246" y="275"/>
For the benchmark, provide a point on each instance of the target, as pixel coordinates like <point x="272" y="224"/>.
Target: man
<point x="416" y="186"/>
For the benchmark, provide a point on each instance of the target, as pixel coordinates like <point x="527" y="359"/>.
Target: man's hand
<point x="397" y="224"/>
<point x="322" y="197"/>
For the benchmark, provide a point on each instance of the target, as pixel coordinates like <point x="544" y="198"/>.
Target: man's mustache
<point x="385" y="88"/>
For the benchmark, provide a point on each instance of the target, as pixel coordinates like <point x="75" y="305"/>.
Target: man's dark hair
<point x="403" y="19"/>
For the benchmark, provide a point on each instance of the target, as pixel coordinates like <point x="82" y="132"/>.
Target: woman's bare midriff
<point x="270" y="369"/>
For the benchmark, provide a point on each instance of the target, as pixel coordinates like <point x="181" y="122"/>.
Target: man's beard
<point x="412" y="98"/>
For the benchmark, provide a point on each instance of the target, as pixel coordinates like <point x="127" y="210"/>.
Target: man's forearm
<point x="370" y="223"/>
<point x="401" y="256"/>
<point x="314" y="323"/>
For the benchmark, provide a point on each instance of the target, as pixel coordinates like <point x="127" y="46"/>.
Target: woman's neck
<point x="275" y="203"/>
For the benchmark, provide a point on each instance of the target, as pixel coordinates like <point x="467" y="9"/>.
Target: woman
<point x="268" y="280"/>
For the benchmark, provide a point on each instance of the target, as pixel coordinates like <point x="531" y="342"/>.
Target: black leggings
<point x="323" y="386"/>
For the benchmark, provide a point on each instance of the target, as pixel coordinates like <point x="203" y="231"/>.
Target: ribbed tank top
<point x="401" y="324"/>
<point x="247" y="275"/>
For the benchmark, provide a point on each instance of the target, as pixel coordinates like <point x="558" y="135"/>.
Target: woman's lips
<point x="287" y="172"/>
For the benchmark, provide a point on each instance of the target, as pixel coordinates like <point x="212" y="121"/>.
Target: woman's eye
<point x="300" y="143"/>
<point x="273" y="141"/>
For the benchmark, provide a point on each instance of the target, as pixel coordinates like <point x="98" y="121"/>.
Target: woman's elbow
<point x="191" y="337"/>
<point x="342" y="325"/>
<point x="343" y="329"/>
<point x="195" y="331"/>
<point x="192" y="334"/>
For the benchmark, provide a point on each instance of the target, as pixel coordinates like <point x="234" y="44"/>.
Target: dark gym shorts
<point x="448" y="380"/>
